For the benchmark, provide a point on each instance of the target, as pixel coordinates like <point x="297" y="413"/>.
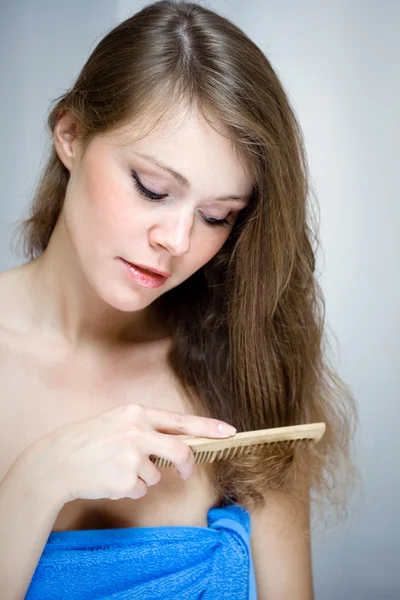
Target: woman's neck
<point x="60" y="301"/>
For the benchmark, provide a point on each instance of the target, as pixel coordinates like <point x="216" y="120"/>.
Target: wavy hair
<point x="248" y="334"/>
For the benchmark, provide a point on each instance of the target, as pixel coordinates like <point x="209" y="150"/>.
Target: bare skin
<point x="48" y="384"/>
<point x="78" y="337"/>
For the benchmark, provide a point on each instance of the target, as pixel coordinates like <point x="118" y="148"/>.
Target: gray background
<point x="339" y="63"/>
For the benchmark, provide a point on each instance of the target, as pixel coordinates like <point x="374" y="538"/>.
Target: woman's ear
<point x="65" y="137"/>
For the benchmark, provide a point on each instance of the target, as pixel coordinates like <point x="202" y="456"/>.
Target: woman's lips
<point x="144" y="278"/>
<point x="152" y="270"/>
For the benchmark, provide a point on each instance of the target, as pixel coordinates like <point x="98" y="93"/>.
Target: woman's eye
<point x="144" y="191"/>
<point x="216" y="222"/>
<point x="156" y="197"/>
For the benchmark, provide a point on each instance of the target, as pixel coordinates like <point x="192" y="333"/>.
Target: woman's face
<point x="109" y="220"/>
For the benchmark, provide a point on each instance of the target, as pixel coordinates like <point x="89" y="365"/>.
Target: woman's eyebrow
<point x="182" y="180"/>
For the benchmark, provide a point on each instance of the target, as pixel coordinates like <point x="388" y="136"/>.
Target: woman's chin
<point x="126" y="300"/>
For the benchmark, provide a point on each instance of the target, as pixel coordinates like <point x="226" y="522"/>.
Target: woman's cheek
<point x="205" y="252"/>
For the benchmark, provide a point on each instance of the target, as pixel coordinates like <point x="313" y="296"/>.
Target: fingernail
<point x="226" y="429"/>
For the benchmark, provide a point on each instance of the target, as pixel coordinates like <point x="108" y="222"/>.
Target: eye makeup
<point x="153" y="197"/>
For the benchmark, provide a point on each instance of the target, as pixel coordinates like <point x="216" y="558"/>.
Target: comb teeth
<point x="208" y="450"/>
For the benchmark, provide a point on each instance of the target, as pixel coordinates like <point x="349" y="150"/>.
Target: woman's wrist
<point x="29" y="482"/>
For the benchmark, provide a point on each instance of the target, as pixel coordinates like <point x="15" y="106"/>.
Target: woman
<point x="176" y="151"/>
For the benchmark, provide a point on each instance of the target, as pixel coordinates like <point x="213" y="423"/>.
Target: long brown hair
<point x="249" y="344"/>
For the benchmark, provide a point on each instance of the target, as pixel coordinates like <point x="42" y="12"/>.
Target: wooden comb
<point x="207" y="450"/>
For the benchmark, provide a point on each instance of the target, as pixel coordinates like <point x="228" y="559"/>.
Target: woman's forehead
<point x="185" y="135"/>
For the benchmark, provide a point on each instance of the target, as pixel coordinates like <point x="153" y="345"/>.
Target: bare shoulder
<point x="14" y="302"/>
<point x="13" y="292"/>
<point x="12" y="310"/>
<point x="8" y="276"/>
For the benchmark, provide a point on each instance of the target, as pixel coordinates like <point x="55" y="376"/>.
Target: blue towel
<point x="179" y="562"/>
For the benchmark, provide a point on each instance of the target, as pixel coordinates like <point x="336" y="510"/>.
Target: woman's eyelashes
<point x="144" y="191"/>
<point x="157" y="197"/>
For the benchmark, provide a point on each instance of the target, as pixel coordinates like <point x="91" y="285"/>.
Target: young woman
<point x="170" y="287"/>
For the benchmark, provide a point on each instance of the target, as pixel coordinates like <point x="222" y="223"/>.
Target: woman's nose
<point x="174" y="233"/>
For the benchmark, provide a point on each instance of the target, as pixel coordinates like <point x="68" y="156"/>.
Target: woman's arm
<point x="281" y="548"/>
<point x="27" y="515"/>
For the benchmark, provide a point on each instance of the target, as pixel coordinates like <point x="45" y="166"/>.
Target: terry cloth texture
<point x="160" y="563"/>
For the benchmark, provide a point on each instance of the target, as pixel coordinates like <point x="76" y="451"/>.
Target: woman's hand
<point x="107" y="456"/>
